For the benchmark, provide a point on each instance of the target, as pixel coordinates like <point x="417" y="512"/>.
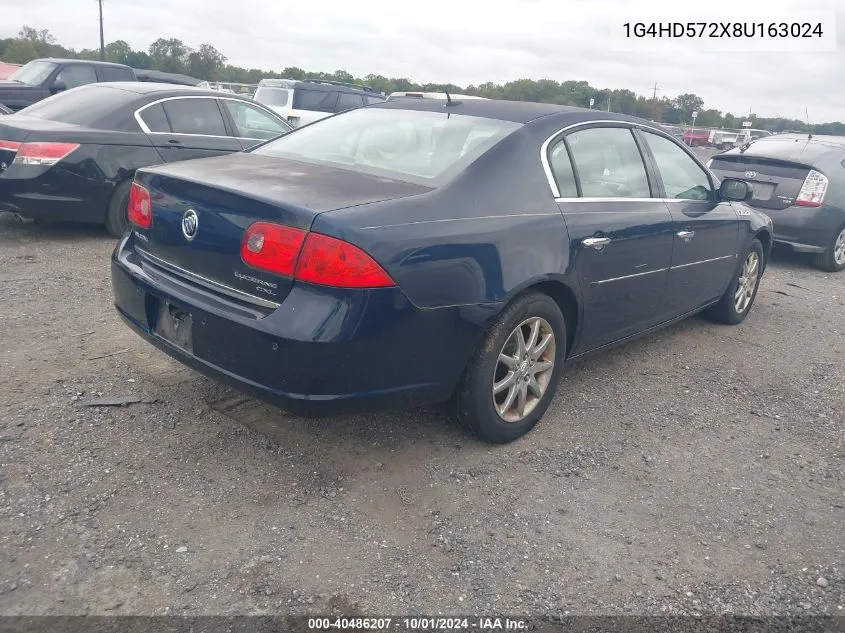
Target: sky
<point x="475" y="41"/>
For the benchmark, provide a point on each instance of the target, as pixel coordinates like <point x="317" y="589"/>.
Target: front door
<point x="705" y="229"/>
<point x="621" y="236"/>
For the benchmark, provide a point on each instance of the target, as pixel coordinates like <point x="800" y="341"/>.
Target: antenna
<point x="449" y="100"/>
<point x="809" y="130"/>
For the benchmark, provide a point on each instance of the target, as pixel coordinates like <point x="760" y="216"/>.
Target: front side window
<point x="252" y="122"/>
<point x="195" y="116"/>
<point x="76" y="75"/>
<point x="682" y="176"/>
<point x="421" y="147"/>
<point x="609" y="163"/>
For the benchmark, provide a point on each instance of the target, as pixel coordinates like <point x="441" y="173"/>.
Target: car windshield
<point x="277" y="97"/>
<point x="421" y="147"/>
<point x="34" y="73"/>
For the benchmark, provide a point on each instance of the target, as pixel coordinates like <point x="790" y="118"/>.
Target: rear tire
<point x="736" y="303"/>
<point x="833" y="259"/>
<point x="513" y="376"/>
<point x="117" y="220"/>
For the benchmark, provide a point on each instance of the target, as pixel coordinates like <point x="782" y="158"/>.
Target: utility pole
<point x="102" y="41"/>
<point x="653" y="96"/>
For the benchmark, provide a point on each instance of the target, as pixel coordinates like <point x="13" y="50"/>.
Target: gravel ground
<point x="697" y="470"/>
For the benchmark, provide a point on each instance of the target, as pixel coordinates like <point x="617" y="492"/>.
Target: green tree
<point x="118" y="52"/>
<point x="206" y="63"/>
<point x="169" y="55"/>
<point x="20" y="51"/>
<point x="686" y="104"/>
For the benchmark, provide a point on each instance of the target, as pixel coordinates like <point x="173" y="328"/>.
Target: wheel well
<point x="766" y="240"/>
<point x="568" y="304"/>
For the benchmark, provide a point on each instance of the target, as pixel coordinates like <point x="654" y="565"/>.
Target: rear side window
<point x="562" y="171"/>
<point x="77" y="75"/>
<point x="315" y="100"/>
<point x="609" y="163"/>
<point x="276" y="97"/>
<point x="155" y="119"/>
<point x="347" y="101"/>
<point x="113" y="73"/>
<point x="195" y="116"/>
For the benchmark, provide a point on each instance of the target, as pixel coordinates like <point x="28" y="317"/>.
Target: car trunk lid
<point x="775" y="182"/>
<point x="228" y="194"/>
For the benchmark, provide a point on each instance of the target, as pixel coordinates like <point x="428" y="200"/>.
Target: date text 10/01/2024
<point x="723" y="29"/>
<point x="418" y="624"/>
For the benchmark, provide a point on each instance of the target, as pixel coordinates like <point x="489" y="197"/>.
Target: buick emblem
<point x="190" y="224"/>
<point x="751" y="174"/>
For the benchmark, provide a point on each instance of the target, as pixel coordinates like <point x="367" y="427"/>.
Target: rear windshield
<point x="85" y="105"/>
<point x="426" y="148"/>
<point x="276" y="97"/>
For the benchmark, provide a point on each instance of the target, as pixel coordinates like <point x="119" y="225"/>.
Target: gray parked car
<point x="799" y="181"/>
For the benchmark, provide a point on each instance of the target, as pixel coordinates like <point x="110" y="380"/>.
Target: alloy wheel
<point x="747" y="283"/>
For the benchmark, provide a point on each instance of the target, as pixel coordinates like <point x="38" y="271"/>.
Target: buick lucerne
<point x="420" y="251"/>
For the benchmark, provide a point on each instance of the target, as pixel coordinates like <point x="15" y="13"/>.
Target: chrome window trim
<point x="622" y="199"/>
<point x="547" y="168"/>
<point x="207" y="283"/>
<point x="147" y="130"/>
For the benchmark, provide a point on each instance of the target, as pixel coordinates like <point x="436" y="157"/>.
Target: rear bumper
<point x="805" y="229"/>
<point x="322" y="351"/>
<point x="53" y="194"/>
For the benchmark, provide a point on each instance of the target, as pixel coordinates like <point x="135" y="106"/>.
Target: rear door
<point x="705" y="229"/>
<point x="621" y="234"/>
<point x="187" y="127"/>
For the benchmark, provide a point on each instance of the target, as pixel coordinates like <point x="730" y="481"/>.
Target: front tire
<point x="736" y="303"/>
<point x="117" y="220"/>
<point x="833" y="259"/>
<point x="512" y="378"/>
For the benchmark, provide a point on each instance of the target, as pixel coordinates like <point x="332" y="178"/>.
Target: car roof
<point x="160" y="89"/>
<point x="514" y="111"/>
<point x="64" y="60"/>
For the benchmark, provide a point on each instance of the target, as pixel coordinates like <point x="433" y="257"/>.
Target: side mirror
<point x="735" y="190"/>
<point x="58" y="86"/>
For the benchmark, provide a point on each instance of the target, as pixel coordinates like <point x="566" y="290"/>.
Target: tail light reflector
<point x="43" y="153"/>
<point x="140" y="210"/>
<point x="272" y="247"/>
<point x="813" y="190"/>
<point x="311" y="257"/>
<point x="12" y="146"/>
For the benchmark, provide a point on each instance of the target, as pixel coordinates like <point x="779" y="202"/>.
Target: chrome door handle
<point x="595" y="242"/>
<point x="685" y="234"/>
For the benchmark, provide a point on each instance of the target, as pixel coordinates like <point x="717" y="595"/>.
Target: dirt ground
<point x="698" y="470"/>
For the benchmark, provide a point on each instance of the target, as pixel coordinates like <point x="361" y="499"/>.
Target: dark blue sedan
<point x="414" y="252"/>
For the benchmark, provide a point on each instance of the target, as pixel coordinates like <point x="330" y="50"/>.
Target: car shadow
<point x="11" y="225"/>
<point x="783" y="255"/>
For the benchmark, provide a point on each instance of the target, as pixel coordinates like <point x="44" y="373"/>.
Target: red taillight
<point x="332" y="262"/>
<point x="43" y="153"/>
<point x="813" y="190"/>
<point x="272" y="247"/>
<point x="12" y="146"/>
<point x="140" y="209"/>
<point x="312" y="257"/>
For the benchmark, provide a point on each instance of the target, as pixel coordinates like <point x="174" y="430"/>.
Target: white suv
<point x="307" y="100"/>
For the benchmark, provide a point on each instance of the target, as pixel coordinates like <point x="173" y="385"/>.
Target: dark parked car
<point x="72" y="157"/>
<point x="410" y="252"/>
<point x="799" y="181"/>
<point x="41" y="78"/>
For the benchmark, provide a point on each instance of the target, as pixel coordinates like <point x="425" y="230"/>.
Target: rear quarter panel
<point x="482" y="238"/>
